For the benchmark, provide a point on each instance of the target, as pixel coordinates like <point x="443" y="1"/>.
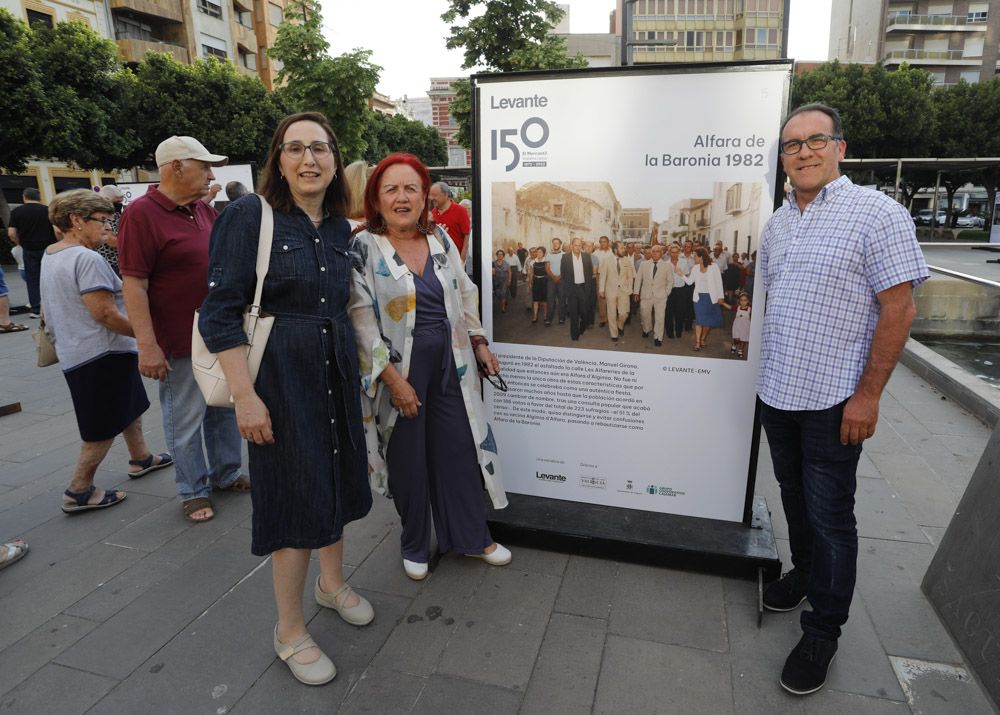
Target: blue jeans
<point x="185" y="420"/>
<point x="32" y="274"/>
<point x="817" y="476"/>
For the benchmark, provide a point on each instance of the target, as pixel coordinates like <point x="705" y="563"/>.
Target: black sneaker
<point x="645" y="334"/>
<point x="785" y="594"/>
<point x="807" y="665"/>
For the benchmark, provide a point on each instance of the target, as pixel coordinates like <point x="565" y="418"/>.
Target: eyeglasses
<point x="815" y="142"/>
<point x="295" y="150"/>
<point x="494" y="380"/>
<point x="105" y="221"/>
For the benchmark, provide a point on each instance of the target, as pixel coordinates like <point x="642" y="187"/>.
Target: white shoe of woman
<point x="500" y="556"/>
<point x="415" y="570"/>
<point x="320" y="671"/>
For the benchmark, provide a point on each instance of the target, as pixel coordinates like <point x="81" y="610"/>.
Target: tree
<point x="508" y="36"/>
<point x="385" y="135"/>
<point x="22" y="95"/>
<point x="230" y="113"/>
<point x="312" y="80"/>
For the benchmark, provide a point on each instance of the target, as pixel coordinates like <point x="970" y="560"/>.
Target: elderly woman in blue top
<point x="415" y="314"/>
<point x="85" y="315"/>
<point x="302" y="417"/>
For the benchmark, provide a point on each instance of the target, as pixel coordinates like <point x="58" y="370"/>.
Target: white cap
<point x="179" y="148"/>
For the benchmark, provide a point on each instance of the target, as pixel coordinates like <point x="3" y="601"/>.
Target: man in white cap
<point x="163" y="256"/>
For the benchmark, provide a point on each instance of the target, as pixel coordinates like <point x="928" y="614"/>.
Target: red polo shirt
<point x="168" y="244"/>
<point x="455" y="221"/>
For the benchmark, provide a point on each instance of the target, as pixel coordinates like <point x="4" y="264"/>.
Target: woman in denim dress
<point x="302" y="417"/>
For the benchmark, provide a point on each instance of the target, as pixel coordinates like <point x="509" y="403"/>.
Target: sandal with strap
<point x="320" y="671"/>
<point x="12" y="551"/>
<point x="358" y="615"/>
<point x="197" y="504"/>
<point x="13" y="328"/>
<point x="81" y="500"/>
<point x="146" y="465"/>
<point x="241" y="484"/>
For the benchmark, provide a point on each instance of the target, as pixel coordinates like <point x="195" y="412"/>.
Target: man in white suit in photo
<point x="653" y="284"/>
<point x="614" y="288"/>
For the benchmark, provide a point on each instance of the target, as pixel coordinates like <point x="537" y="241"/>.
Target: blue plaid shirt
<point x="822" y="269"/>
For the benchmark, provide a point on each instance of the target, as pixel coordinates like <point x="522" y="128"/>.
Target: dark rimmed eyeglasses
<point x="295" y="150"/>
<point x="494" y="380"/>
<point x="105" y="221"/>
<point x="815" y="142"/>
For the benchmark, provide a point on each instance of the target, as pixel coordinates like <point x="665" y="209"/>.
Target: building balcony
<point x="134" y="50"/>
<point x="245" y="36"/>
<point x="930" y="57"/>
<point x="653" y="53"/>
<point x="935" y="23"/>
<point x="165" y="9"/>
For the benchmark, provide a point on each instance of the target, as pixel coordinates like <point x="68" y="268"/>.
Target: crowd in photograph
<point x="675" y="288"/>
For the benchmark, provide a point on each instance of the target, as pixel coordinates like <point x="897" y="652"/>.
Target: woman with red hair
<point x="420" y="348"/>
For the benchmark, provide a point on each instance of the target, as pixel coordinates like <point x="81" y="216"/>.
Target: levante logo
<point x="522" y="142"/>
<point x="550" y="477"/>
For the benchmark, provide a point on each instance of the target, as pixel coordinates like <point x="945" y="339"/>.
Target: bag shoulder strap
<point x="263" y="250"/>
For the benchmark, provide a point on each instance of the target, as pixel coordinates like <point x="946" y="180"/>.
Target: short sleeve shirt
<point x="34" y="231"/>
<point x="822" y="269"/>
<point x="167" y="244"/>
<point x="78" y="338"/>
<point x="455" y="220"/>
<point x="555" y="262"/>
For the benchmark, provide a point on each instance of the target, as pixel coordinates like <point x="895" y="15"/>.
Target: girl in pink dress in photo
<point x="741" y="325"/>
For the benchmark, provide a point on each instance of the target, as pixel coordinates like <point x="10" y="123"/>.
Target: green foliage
<point x="339" y="87"/>
<point x="230" y="113"/>
<point x="507" y="36"/>
<point x="22" y="95"/>
<point x="385" y="135"/>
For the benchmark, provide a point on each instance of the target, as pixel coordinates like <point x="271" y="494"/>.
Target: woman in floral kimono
<point x="420" y="348"/>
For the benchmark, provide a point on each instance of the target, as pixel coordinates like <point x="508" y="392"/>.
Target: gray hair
<point x="838" y="128"/>
<point x="112" y="193"/>
<point x="82" y="202"/>
<point x="443" y="187"/>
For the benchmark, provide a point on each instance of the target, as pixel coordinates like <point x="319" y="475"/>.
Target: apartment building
<point x="442" y="95"/>
<point x="705" y="30"/>
<point x="953" y="40"/>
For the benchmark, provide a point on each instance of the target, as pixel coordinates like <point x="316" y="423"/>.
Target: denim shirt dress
<point x="313" y="480"/>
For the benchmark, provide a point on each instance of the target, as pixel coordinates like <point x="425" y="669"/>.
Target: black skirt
<point x="108" y="395"/>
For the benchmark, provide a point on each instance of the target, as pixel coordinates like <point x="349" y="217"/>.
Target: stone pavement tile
<point x="940" y="688"/>
<point x="886" y="441"/>
<point x="867" y="468"/>
<point x="587" y="587"/>
<point x="889" y="576"/>
<point x="568" y="665"/>
<point x="40" y="646"/>
<point x="11" y="424"/>
<point x="197" y="537"/>
<point x="127" y="639"/>
<point x="454" y="695"/>
<point x="63" y="538"/>
<point x="956" y="423"/>
<point x="151" y="530"/>
<point x="965" y="446"/>
<point x="55" y="689"/>
<point x="539" y="560"/>
<point x="383" y="571"/>
<point x="55" y="467"/>
<point x="640" y="676"/>
<point x="667" y="606"/>
<point x="116" y="593"/>
<point x="934" y="534"/>
<point x="952" y="470"/>
<point x="757" y="656"/>
<point x="416" y="644"/>
<point x="882" y="515"/>
<point x="831" y="702"/>
<point x="361" y="537"/>
<point x="41" y="598"/>
<point x="861" y="665"/>
<point x="927" y="498"/>
<point x="352" y="649"/>
<point x="384" y="692"/>
<point x="156" y="484"/>
<point x="509" y="613"/>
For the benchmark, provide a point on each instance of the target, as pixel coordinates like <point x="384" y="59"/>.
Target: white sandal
<point x="12" y="551"/>
<point x="359" y="615"/>
<point x="320" y="671"/>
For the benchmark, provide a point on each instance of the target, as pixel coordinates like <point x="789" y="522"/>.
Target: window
<point x="557" y="210"/>
<point x="978" y="11"/>
<point x="938" y="8"/>
<point x="243" y="17"/>
<point x="248" y="60"/>
<point x="733" y="197"/>
<point x="970" y="76"/>
<point x="275" y="14"/>
<point x="127" y="28"/>
<point x="36" y="17"/>
<point x="214" y="52"/>
<point x="973" y="47"/>
<point x="210" y="8"/>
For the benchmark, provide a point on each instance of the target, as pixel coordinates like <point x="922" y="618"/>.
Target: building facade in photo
<point x="952" y="39"/>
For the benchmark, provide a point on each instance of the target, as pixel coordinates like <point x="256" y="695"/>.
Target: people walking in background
<point x="556" y="299"/>
<point x="421" y="351"/>
<point x="577" y="279"/>
<point x="93" y="338"/>
<point x="600" y="254"/>
<point x="538" y="282"/>
<point x="451" y="216"/>
<point x="163" y="256"/>
<point x="501" y="280"/>
<point x="826" y="357"/>
<point x="653" y="285"/>
<point x="617" y="277"/>
<point x="30" y="229"/>
<point x="109" y="248"/>
<point x="708" y="296"/>
<point x="302" y="417"/>
<point x="676" y="306"/>
<point x="356" y="174"/>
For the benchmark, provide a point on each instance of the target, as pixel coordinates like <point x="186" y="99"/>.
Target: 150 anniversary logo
<point x="522" y="142"/>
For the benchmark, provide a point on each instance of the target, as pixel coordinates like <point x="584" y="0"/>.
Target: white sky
<point x="407" y="37"/>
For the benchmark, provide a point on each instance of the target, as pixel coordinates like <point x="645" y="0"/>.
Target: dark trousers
<point x="578" y="308"/>
<point x="32" y="273"/>
<point x="557" y="301"/>
<point x="432" y="459"/>
<point x="817" y="476"/>
<point x="675" y="311"/>
<point x="513" y="282"/>
<point x="687" y="306"/>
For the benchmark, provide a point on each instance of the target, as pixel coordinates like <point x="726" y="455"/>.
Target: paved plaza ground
<point x="134" y="610"/>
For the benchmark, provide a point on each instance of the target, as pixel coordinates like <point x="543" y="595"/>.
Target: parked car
<point x="970" y="221"/>
<point x="923" y="217"/>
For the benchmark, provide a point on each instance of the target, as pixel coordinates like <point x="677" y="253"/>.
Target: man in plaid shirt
<point x="839" y="263"/>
